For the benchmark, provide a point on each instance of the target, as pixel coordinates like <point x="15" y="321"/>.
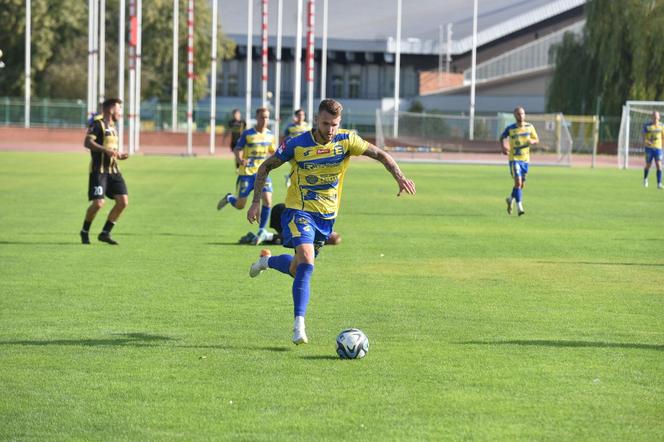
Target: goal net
<point x="635" y="114"/>
<point x="445" y="138"/>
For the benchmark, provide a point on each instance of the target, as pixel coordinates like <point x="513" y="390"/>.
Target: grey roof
<point x="371" y="24"/>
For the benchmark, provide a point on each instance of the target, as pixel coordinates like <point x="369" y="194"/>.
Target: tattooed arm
<point x="254" y="211"/>
<point x="405" y="185"/>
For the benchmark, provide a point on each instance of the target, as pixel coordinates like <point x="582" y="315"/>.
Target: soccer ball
<point x="352" y="344"/>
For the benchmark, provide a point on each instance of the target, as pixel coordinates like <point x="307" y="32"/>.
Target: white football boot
<point x="261" y="265"/>
<point x="299" y="334"/>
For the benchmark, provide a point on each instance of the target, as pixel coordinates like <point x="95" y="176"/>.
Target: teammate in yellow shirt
<point x="318" y="160"/>
<point x="652" y="138"/>
<point x="515" y="141"/>
<point x="297" y="127"/>
<point x="252" y="149"/>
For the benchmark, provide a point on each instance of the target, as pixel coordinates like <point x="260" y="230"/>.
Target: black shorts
<point x="105" y="184"/>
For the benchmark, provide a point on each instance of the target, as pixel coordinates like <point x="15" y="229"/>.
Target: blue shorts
<point x="245" y="184"/>
<point x="653" y="153"/>
<point x="519" y="168"/>
<point x="300" y="227"/>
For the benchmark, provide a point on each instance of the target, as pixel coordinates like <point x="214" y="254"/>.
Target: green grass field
<point x="482" y="326"/>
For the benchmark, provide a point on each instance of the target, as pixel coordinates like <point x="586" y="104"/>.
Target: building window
<point x="337" y="86"/>
<point x="233" y="88"/>
<point x="354" y="86"/>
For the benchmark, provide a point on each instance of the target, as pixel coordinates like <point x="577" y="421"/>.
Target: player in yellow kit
<point x="319" y="159"/>
<point x="652" y="138"/>
<point x="515" y="141"/>
<point x="297" y="127"/>
<point x="252" y="149"/>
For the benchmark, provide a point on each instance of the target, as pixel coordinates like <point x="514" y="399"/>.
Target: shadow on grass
<point x="420" y="215"/>
<point x="236" y="347"/>
<point x="604" y="263"/>
<point x="321" y="357"/>
<point x="571" y="344"/>
<point x="119" y="339"/>
<point x="42" y="243"/>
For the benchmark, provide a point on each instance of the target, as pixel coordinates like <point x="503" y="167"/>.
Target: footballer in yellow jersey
<point x="297" y="127"/>
<point x="252" y="149"/>
<point x="515" y="141"/>
<point x="319" y="159"/>
<point x="652" y="138"/>
<point x="105" y="179"/>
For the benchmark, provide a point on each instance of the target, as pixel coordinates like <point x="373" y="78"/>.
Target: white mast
<point x="250" y="17"/>
<point x="298" y="59"/>
<point x="174" y="86"/>
<point x="28" y="61"/>
<point x="121" y="71"/>
<point x="323" y="57"/>
<point x="190" y="75"/>
<point x="397" y="72"/>
<point x="213" y="80"/>
<point x="473" y="63"/>
<point x="277" y="77"/>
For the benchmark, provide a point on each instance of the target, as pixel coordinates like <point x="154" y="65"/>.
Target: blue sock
<point x="265" y="217"/>
<point x="513" y="193"/>
<point x="281" y="263"/>
<point x="301" y="286"/>
<point x="519" y="195"/>
<point x="645" y="173"/>
<point x="232" y="200"/>
<point x="659" y="177"/>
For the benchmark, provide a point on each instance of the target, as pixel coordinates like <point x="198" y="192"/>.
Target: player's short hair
<point x="519" y="107"/>
<point x="261" y="110"/>
<point x="298" y="111"/>
<point x="332" y="107"/>
<point x="109" y="103"/>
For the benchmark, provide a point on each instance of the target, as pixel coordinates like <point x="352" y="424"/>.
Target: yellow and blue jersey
<point x="256" y="147"/>
<point x="293" y="130"/>
<point x="652" y="135"/>
<point x="519" y="139"/>
<point x="317" y="171"/>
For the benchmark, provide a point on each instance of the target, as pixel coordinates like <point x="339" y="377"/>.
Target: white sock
<point x="298" y="324"/>
<point x="520" y="205"/>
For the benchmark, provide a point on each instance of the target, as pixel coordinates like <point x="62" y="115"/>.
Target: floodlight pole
<point x="174" y="86"/>
<point x="132" y="73"/>
<point x="448" y="55"/>
<point x="28" y="61"/>
<point x="95" y="54"/>
<point x="264" y="49"/>
<point x="121" y="72"/>
<point x="190" y="75"/>
<point x="473" y="68"/>
<point x="90" y="52"/>
<point x="311" y="9"/>
<point x="323" y="58"/>
<point x="102" y="50"/>
<point x="137" y="95"/>
<point x="213" y="80"/>
<point x="440" y="55"/>
<point x="397" y="72"/>
<point x="298" y="58"/>
<point x="277" y="77"/>
<point x="250" y="17"/>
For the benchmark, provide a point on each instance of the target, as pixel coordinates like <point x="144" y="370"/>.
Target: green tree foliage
<point x="618" y="58"/>
<point x="60" y="46"/>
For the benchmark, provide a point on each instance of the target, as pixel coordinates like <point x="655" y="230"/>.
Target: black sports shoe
<point x="85" y="237"/>
<point x="106" y="237"/>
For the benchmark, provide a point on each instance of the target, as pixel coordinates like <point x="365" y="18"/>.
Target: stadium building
<point x="514" y="63"/>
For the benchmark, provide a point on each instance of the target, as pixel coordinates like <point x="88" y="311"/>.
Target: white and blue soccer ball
<point x="352" y="344"/>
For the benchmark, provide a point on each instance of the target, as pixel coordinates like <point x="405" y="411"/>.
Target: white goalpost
<point x="446" y="138"/>
<point x="635" y="114"/>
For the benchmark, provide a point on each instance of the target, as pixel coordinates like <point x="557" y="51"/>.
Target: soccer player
<point x="275" y="223"/>
<point x="318" y="159"/>
<point x="236" y="125"/>
<point x="652" y="137"/>
<point x="253" y="147"/>
<point x="297" y="127"/>
<point x="516" y="140"/>
<point x="105" y="179"/>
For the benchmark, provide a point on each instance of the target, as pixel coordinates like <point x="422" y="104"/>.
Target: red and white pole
<point x="213" y="78"/>
<point x="121" y="72"/>
<point x="310" y="58"/>
<point x="133" y="32"/>
<point x="137" y="93"/>
<point x="190" y="74"/>
<point x="264" y="52"/>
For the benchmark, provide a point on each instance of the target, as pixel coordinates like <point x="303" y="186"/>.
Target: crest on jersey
<point x="311" y="179"/>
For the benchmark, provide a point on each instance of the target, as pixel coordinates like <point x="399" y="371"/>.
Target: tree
<point x="59" y="48"/>
<point x="618" y="58"/>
